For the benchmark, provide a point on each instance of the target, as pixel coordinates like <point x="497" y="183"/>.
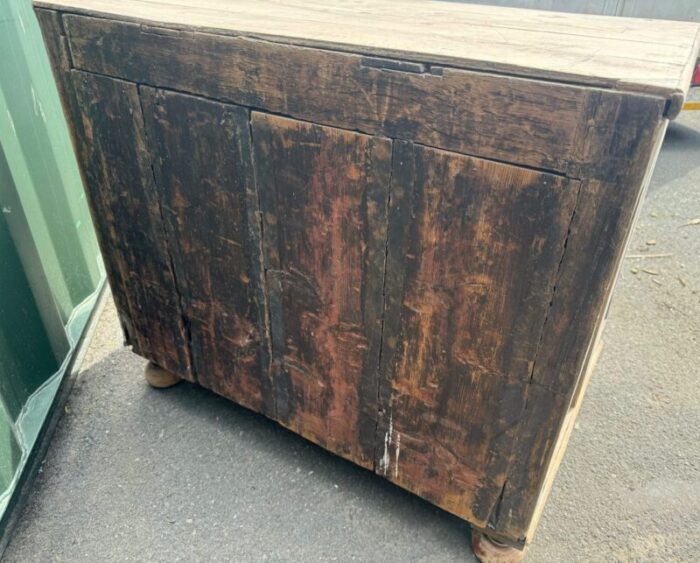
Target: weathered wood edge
<point x="58" y="52"/>
<point x="592" y="357"/>
<point x="553" y="387"/>
<point x="676" y="100"/>
<point x="476" y="65"/>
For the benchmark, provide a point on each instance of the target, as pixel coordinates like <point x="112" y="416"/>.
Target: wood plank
<point x="463" y="111"/>
<point x="632" y="54"/>
<point x="324" y="196"/>
<point x="603" y="218"/>
<point x="118" y="178"/>
<point x="472" y="245"/>
<point x="204" y="177"/>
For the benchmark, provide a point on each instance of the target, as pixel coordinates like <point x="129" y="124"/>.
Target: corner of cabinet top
<point x="652" y="57"/>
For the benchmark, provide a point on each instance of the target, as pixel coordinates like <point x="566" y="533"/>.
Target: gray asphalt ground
<point x="135" y="474"/>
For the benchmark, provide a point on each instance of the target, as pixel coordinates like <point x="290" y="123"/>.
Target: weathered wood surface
<point x="388" y="265"/>
<point x="626" y="53"/>
<point x="458" y="110"/>
<point x="203" y="174"/>
<point x="119" y="181"/>
<point x="473" y="254"/>
<point x="324" y="198"/>
<point x="600" y="226"/>
<point x="59" y="55"/>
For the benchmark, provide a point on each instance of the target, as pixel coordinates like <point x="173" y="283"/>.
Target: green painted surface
<point x="50" y="267"/>
<point x="10" y="454"/>
<point x="27" y="357"/>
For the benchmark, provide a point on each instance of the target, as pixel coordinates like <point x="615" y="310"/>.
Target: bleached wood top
<point x="625" y="53"/>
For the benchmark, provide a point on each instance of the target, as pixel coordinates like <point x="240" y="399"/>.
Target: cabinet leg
<point x="488" y="550"/>
<point x="158" y="377"/>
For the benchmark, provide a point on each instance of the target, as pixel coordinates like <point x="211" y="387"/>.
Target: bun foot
<point x="488" y="550"/>
<point x="158" y="377"/>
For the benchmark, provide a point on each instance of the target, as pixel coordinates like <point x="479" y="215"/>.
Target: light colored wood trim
<point x="624" y="53"/>
<point x="565" y="433"/>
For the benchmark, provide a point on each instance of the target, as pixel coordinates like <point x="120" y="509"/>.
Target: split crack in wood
<point x="186" y="325"/>
<point x="495" y="512"/>
<point x="267" y="320"/>
<point x="379" y="407"/>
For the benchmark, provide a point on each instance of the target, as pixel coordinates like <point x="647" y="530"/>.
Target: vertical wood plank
<point x="474" y="248"/>
<point x="204" y="177"/>
<point x="324" y="196"/>
<point x="118" y="177"/>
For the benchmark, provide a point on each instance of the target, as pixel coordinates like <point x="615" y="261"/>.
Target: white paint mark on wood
<point x="386" y="459"/>
<point x="397" y="452"/>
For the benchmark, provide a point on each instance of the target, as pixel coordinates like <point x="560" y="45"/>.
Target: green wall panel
<point x="50" y="267"/>
<point x="27" y="357"/>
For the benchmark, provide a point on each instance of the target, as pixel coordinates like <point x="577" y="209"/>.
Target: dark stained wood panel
<point x="603" y="218"/>
<point x="473" y="253"/>
<point x="453" y="109"/>
<point x="116" y="166"/>
<point x="600" y="227"/>
<point x="324" y="196"/>
<point x="202" y="163"/>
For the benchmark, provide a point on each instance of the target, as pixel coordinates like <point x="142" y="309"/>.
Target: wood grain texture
<point x="463" y="111"/>
<point x="626" y="53"/>
<point x="604" y="214"/>
<point x="203" y="170"/>
<point x="404" y="262"/>
<point x="474" y="248"/>
<point x="324" y="197"/>
<point x="118" y="178"/>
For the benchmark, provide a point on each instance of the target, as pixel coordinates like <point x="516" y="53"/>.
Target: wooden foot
<point x="488" y="550"/>
<point x="158" y="377"/>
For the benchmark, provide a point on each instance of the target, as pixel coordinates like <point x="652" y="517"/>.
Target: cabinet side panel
<point x="595" y="245"/>
<point x="324" y="196"/>
<point x="202" y="164"/>
<point x="116" y="166"/>
<point x="474" y="248"/>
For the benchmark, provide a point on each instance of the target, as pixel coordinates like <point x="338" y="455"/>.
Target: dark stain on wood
<point x="119" y="181"/>
<point x="595" y="245"/>
<point x="59" y="55"/>
<point x="473" y="247"/>
<point x="324" y="195"/>
<point x="203" y="171"/>
<point x="459" y="110"/>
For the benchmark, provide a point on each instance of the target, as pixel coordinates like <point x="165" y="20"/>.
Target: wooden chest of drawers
<point x="392" y="227"/>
